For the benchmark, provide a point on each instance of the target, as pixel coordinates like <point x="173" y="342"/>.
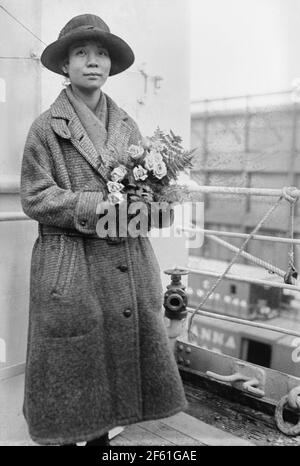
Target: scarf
<point x="95" y="123"/>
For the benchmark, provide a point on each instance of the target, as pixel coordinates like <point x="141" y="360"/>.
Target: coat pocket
<point x="67" y="384"/>
<point x="65" y="266"/>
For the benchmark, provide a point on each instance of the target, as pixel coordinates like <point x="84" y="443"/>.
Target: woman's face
<point x="88" y="65"/>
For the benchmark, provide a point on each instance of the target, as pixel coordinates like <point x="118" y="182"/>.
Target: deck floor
<point x="181" y="429"/>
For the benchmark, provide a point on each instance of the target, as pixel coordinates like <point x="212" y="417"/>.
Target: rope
<point x="220" y="278"/>
<point x="23" y="25"/>
<point x="254" y="259"/>
<point x="291" y="400"/>
<point x="294" y="398"/>
<point x="292" y="214"/>
<point x="291" y="274"/>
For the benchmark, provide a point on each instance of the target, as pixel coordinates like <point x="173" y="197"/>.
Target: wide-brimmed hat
<point x="87" y="27"/>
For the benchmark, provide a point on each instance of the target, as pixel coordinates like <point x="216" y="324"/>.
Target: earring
<point x="66" y="82"/>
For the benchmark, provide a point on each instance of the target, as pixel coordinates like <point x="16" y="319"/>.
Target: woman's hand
<point x="162" y="215"/>
<point x="108" y="222"/>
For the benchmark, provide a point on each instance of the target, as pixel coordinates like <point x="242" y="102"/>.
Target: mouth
<point x="93" y="75"/>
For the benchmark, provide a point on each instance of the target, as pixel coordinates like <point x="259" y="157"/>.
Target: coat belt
<point x="52" y="230"/>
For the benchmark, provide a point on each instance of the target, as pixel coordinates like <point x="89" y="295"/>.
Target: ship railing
<point x="275" y="386"/>
<point x="248" y="96"/>
<point x="279" y="193"/>
<point x="247" y="101"/>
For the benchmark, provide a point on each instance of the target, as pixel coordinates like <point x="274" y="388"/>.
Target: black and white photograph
<point x="149" y="226"/>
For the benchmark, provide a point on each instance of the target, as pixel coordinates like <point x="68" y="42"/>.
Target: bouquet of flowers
<point x="150" y="171"/>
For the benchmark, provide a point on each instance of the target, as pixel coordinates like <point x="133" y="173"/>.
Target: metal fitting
<point x="175" y="298"/>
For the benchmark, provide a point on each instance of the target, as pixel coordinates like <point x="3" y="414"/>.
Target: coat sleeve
<point x="43" y="200"/>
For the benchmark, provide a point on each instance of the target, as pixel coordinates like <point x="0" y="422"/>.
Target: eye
<point x="103" y="52"/>
<point x="80" y="52"/>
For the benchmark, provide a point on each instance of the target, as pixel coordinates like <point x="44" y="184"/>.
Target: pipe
<point x="242" y="191"/>
<point x="12" y="216"/>
<point x="244" y="279"/>
<point x="249" y="323"/>
<point x="231" y="234"/>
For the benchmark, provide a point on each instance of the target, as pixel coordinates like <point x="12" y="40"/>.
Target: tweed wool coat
<point x="98" y="353"/>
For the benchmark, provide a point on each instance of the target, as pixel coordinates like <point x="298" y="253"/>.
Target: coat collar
<point x="67" y="125"/>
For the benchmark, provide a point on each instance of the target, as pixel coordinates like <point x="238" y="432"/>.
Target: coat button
<point x="127" y="312"/>
<point x="83" y="223"/>
<point x="122" y="268"/>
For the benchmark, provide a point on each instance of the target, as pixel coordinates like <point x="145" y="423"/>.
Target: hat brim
<point x="120" y="52"/>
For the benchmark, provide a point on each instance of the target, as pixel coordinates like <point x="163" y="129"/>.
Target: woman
<point x="98" y="353"/>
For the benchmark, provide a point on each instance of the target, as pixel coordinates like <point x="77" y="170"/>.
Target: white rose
<point x="135" y="151"/>
<point x="152" y="159"/>
<point x="160" y="170"/>
<point x="118" y="173"/>
<point x="114" y="187"/>
<point x="115" y="198"/>
<point x="149" y="162"/>
<point x="156" y="156"/>
<point x="140" y="173"/>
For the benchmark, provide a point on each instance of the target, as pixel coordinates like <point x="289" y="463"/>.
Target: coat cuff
<point x="86" y="216"/>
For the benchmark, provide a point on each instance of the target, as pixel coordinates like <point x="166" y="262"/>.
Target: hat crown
<point x="84" y="22"/>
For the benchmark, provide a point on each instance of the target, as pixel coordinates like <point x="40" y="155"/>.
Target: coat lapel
<point x="67" y="125"/>
<point x="119" y="130"/>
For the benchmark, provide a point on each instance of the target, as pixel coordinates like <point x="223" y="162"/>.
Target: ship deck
<point x="209" y="420"/>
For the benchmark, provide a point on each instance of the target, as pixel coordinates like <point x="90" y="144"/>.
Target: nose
<point x="92" y="59"/>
